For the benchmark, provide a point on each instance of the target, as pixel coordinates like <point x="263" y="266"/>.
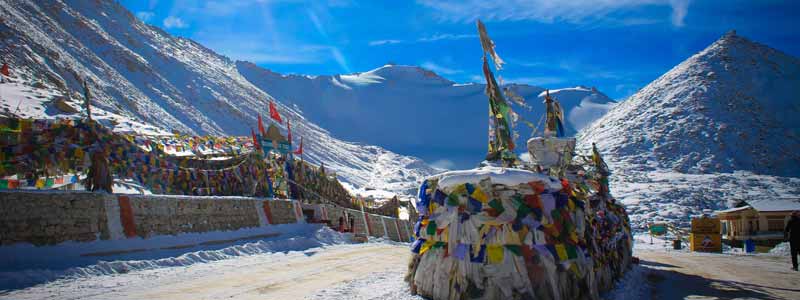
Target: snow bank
<point x="26" y="265"/>
<point x="781" y="249"/>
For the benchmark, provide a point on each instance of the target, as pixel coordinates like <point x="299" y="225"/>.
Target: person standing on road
<point x="792" y="234"/>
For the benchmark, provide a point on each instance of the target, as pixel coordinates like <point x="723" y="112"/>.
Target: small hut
<point x="762" y="220"/>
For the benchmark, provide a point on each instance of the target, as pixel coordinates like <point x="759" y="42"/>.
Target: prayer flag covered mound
<point x="508" y="233"/>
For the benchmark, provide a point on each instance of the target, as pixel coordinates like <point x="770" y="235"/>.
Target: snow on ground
<point x="387" y="285"/>
<point x="24" y="265"/>
<point x="306" y="262"/>
<point x="294" y="273"/>
<point x="633" y="285"/>
<point x="781" y="249"/>
<point x="664" y="195"/>
<point x="26" y="97"/>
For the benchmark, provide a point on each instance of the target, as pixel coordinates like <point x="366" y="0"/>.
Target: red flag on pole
<point x="289" y="128"/>
<point x="299" y="150"/>
<point x="261" y="126"/>
<point x="273" y="113"/>
<point x="4" y="70"/>
<point x="255" y="140"/>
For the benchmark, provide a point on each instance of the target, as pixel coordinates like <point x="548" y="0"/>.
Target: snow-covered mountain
<point x="419" y="107"/>
<point x="719" y="127"/>
<point x="139" y="72"/>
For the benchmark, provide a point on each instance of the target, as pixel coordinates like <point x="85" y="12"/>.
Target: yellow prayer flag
<point x="479" y="195"/>
<point x="495" y="253"/>
<point x="562" y="252"/>
<point x="425" y="247"/>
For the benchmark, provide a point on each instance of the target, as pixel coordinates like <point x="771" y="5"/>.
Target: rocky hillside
<point x="139" y="72"/>
<point x="720" y="126"/>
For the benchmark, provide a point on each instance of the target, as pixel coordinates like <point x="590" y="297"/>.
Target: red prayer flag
<point x="4" y="70"/>
<point x="255" y="140"/>
<point x="261" y="126"/>
<point x="273" y="113"/>
<point x="300" y="149"/>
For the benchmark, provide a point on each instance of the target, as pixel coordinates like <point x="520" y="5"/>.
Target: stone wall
<point x="376" y="226"/>
<point x="334" y="213"/>
<point x="283" y="212"/>
<point x="48" y="218"/>
<point x="392" y="229"/>
<point x="51" y="218"/>
<point x="360" y="227"/>
<point x="170" y="215"/>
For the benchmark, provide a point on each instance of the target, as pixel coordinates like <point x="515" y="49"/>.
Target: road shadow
<point x="672" y="284"/>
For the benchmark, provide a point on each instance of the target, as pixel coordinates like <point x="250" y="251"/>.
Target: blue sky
<point x="616" y="45"/>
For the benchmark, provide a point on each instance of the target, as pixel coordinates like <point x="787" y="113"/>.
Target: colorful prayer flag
<point x="261" y="126"/>
<point x="273" y="113"/>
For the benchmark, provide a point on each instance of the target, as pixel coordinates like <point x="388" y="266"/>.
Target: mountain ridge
<point x="717" y="128"/>
<point x="420" y="108"/>
<point x="140" y="72"/>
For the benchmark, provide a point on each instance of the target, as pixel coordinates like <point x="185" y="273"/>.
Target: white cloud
<point x="444" y="164"/>
<point x="145" y="15"/>
<point x="679" y="10"/>
<point x="446" y="36"/>
<point x="426" y="39"/>
<point x="549" y="11"/>
<point x="439" y="69"/>
<point x="384" y="42"/>
<point x="174" y="22"/>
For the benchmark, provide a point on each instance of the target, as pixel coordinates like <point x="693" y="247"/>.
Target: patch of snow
<point x="497" y="175"/>
<point x="781" y="249"/>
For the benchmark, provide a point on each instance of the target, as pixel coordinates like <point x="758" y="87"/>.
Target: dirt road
<point x="296" y="275"/>
<point x="685" y="275"/>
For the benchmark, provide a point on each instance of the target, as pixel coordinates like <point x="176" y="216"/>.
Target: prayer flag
<point x="300" y="149"/>
<point x="261" y="126"/>
<point x="273" y="113"/>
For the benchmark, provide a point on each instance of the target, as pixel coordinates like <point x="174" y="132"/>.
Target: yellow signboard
<point x="705" y="242"/>
<point x="706" y="225"/>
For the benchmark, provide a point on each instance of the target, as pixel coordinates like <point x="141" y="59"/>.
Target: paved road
<point x="685" y="275"/>
<point x="296" y="275"/>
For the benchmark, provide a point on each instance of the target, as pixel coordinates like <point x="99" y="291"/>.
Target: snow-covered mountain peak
<point x="729" y="107"/>
<point x="719" y="126"/>
<point x="396" y="74"/>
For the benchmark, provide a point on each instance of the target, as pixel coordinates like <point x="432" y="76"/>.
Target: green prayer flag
<point x="431" y="228"/>
<point x="497" y="206"/>
<point x="452" y="199"/>
<point x="516" y="249"/>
